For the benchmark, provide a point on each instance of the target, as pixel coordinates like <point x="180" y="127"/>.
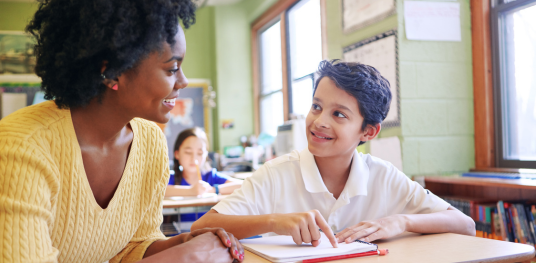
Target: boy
<point x="330" y="185"/>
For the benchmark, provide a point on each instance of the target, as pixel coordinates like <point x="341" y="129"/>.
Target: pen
<point x="381" y="252"/>
<point x="198" y="171"/>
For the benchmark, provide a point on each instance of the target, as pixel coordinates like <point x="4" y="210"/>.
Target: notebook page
<point x="281" y="247"/>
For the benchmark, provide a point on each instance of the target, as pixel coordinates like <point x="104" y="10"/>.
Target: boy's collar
<point x="356" y="184"/>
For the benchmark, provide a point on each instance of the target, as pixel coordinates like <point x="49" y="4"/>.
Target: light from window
<point x="271" y="97"/>
<point x="519" y="85"/>
<point x="271" y="74"/>
<point x="271" y="108"/>
<point x="302" y="96"/>
<point x="305" y="37"/>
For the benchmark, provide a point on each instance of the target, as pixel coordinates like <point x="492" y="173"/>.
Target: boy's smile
<point x="334" y="122"/>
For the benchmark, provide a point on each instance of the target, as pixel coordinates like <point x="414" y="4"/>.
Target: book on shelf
<point x="512" y="221"/>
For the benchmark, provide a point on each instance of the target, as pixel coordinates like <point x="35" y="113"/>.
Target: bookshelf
<point x="499" y="189"/>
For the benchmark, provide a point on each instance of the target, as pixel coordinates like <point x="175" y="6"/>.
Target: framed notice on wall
<point x="381" y="52"/>
<point x="361" y="13"/>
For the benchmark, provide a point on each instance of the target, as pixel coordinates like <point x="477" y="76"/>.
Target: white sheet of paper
<point x="435" y="21"/>
<point x="387" y="149"/>
<point x="12" y="102"/>
<point x="283" y="247"/>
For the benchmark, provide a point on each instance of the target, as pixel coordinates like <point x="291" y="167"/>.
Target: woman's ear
<point x="110" y="83"/>
<point x="176" y="154"/>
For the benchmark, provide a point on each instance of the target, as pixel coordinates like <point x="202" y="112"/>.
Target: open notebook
<point x="283" y="248"/>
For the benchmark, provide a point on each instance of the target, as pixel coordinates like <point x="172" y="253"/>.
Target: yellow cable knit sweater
<point x="47" y="210"/>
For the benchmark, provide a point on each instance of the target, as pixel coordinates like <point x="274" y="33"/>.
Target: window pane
<point x="271" y="73"/>
<point x="305" y="38"/>
<point x="271" y="113"/>
<point x="302" y="96"/>
<point x="519" y="85"/>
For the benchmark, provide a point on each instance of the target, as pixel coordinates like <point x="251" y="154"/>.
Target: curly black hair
<point x="75" y="37"/>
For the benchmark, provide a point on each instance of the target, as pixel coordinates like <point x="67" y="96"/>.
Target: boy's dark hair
<point x="364" y="83"/>
<point x="75" y="37"/>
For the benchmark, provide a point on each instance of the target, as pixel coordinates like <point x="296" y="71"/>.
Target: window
<point x="514" y="42"/>
<point x="287" y="48"/>
<point x="271" y="95"/>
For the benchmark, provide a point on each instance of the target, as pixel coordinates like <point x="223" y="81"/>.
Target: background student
<point x="190" y="152"/>
<point x="83" y="175"/>
<point x="330" y="185"/>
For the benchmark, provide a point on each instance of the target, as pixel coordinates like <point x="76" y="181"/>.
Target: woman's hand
<point x="227" y="239"/>
<point x="200" y="188"/>
<point x="369" y="231"/>
<point x="303" y="227"/>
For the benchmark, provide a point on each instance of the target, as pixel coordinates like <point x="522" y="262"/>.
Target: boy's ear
<point x="370" y="132"/>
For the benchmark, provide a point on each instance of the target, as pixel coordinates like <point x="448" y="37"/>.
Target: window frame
<point x="498" y="9"/>
<point x="278" y="12"/>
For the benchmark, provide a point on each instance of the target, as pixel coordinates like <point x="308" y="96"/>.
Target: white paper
<point x="12" y="102"/>
<point x="283" y="248"/>
<point x="387" y="149"/>
<point x="359" y="13"/>
<point x="435" y="21"/>
<point x="381" y="54"/>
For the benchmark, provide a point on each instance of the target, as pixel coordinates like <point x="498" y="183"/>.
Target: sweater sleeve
<point x="28" y="186"/>
<point x="149" y="229"/>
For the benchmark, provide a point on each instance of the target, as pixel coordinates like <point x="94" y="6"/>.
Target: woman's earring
<point x="103" y="77"/>
<point x="180" y="168"/>
<point x="115" y="87"/>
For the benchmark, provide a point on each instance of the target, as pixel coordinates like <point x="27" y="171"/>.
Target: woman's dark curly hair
<point x="74" y="37"/>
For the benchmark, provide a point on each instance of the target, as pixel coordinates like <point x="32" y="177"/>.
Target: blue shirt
<point x="212" y="177"/>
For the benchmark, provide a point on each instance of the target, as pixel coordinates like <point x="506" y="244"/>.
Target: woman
<point x="190" y="153"/>
<point x="84" y="175"/>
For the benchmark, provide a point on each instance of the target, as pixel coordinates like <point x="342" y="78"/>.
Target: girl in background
<point x="190" y="152"/>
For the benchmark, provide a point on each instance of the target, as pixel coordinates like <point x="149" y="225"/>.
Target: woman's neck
<point x="100" y="122"/>
<point x="335" y="171"/>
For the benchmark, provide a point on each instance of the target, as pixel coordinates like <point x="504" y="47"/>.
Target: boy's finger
<point x="321" y="222"/>
<point x="362" y="233"/>
<point x="296" y="236"/>
<point x="349" y="232"/>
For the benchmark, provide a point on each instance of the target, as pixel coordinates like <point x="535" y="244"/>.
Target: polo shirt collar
<point x="357" y="181"/>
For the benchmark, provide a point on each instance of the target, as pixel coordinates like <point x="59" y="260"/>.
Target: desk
<point x="411" y="247"/>
<point x="210" y="201"/>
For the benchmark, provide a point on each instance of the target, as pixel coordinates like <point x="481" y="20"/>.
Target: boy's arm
<point x="303" y="227"/>
<point x="448" y="221"/>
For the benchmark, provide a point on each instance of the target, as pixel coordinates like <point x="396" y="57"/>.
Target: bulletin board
<point x="381" y="52"/>
<point x="361" y="13"/>
<point x="190" y="110"/>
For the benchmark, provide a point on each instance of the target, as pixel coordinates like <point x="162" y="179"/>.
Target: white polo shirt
<point x="292" y="183"/>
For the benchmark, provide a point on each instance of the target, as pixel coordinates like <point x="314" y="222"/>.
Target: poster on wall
<point x="361" y="13"/>
<point x="17" y="59"/>
<point x="381" y="52"/>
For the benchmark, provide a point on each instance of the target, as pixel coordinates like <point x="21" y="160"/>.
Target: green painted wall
<point x="14" y="16"/>
<point x="436" y="94"/>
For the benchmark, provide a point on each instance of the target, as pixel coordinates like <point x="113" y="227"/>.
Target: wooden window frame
<point x="483" y="91"/>
<point x="277" y="10"/>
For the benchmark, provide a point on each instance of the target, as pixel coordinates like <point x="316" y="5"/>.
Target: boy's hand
<point x="303" y="227"/>
<point x="369" y="231"/>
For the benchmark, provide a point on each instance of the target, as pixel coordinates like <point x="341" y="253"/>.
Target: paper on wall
<point x="387" y="149"/>
<point x="435" y="21"/>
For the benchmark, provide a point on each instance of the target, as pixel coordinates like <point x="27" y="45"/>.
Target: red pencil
<point x="364" y="254"/>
